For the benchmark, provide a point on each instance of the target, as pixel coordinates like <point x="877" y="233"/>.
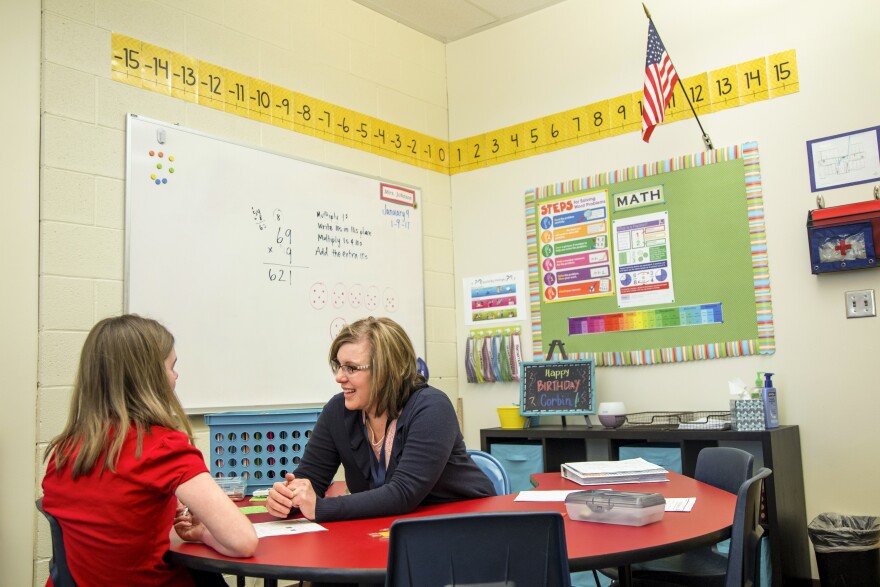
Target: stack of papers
<point x="705" y="424"/>
<point x="608" y="472"/>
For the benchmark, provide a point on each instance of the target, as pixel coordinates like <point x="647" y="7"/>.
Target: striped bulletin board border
<point x="140" y="64"/>
<point x="764" y="343"/>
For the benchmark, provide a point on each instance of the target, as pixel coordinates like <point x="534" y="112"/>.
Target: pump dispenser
<point x="759" y="385"/>
<point x="771" y="405"/>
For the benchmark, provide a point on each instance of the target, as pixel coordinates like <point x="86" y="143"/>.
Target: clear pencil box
<point x="629" y="508"/>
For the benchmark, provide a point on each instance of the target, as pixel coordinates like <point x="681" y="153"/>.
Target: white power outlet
<point x="860" y="304"/>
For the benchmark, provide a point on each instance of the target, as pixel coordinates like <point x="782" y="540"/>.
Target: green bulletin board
<point x="717" y="243"/>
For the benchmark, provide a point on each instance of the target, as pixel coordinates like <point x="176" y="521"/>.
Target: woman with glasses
<point x="397" y="438"/>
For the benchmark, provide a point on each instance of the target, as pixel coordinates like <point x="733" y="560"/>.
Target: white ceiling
<point x="450" y="20"/>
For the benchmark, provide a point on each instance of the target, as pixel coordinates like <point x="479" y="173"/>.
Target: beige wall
<point x="19" y="161"/>
<point x="569" y="55"/>
<point x="333" y="50"/>
<point x="579" y="52"/>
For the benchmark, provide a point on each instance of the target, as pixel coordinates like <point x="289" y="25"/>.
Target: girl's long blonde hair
<point x="121" y="382"/>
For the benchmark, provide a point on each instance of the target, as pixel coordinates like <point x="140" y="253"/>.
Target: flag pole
<point x="706" y="140"/>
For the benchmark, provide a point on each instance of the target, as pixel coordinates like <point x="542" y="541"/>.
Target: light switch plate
<point x="860" y="304"/>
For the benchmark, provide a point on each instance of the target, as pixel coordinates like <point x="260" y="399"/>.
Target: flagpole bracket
<point x="708" y="142"/>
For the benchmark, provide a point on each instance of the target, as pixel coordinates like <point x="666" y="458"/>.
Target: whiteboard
<point x="255" y="261"/>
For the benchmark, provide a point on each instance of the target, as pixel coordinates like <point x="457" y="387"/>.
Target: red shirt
<point x="116" y="525"/>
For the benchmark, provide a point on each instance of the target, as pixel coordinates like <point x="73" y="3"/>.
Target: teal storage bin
<point x="667" y="457"/>
<point x="520" y="461"/>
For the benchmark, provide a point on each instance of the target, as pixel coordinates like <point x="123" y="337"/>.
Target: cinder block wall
<point x="333" y="50"/>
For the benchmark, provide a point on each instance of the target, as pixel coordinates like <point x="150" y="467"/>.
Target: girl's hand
<point x="187" y="526"/>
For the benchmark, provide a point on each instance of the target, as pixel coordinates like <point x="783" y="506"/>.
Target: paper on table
<point x="253" y="509"/>
<point x="626" y="466"/>
<point x="286" y="527"/>
<point x="536" y="495"/>
<point x="680" y="504"/>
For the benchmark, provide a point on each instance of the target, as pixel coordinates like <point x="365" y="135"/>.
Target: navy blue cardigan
<point x="428" y="462"/>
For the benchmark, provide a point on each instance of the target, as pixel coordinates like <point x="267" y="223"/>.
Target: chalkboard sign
<point x="255" y="261"/>
<point x="557" y="388"/>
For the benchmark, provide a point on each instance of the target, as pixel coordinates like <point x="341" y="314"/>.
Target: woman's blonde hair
<point x="121" y="382"/>
<point x="392" y="362"/>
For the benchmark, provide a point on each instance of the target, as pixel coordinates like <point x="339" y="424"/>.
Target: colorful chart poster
<point x="643" y="265"/>
<point x="575" y="247"/>
<point x="501" y="297"/>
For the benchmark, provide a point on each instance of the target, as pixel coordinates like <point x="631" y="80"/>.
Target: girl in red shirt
<point x="123" y="467"/>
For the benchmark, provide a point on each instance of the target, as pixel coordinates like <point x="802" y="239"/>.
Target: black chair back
<point x="742" y="562"/>
<point x="724" y="467"/>
<point x="493" y="548"/>
<point x="59" y="572"/>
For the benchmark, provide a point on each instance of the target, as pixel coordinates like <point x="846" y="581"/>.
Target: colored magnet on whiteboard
<point x="152" y="153"/>
<point x="158" y="166"/>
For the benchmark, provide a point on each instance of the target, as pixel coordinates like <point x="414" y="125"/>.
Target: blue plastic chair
<point x="493" y="469"/>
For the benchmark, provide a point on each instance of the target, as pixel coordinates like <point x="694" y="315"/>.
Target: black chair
<point x="708" y="567"/>
<point x="495" y="549"/>
<point x="723" y="467"/>
<point x="58" y="569"/>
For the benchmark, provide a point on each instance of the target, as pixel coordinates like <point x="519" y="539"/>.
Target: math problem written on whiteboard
<point x="278" y="247"/>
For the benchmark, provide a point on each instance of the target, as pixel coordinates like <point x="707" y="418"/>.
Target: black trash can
<point x="847" y="549"/>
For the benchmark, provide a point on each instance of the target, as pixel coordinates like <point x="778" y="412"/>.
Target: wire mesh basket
<point x="719" y="420"/>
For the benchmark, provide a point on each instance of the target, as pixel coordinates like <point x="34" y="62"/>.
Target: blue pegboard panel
<point x="260" y="446"/>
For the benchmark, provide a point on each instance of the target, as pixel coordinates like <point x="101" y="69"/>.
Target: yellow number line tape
<point x="160" y="70"/>
<point x="736" y="85"/>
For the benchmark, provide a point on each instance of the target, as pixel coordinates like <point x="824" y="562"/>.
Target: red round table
<point x="357" y="550"/>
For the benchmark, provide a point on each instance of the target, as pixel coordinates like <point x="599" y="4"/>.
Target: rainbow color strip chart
<point x="697" y="315"/>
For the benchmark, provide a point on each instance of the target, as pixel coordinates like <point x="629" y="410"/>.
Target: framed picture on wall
<point x="846" y="159"/>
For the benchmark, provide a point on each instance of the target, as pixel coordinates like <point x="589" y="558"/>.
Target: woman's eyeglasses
<point x="348" y="370"/>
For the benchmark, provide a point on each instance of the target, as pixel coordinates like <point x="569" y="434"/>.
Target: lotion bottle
<point x="771" y="404"/>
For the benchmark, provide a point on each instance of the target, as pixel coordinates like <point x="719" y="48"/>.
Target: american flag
<point x="660" y="78"/>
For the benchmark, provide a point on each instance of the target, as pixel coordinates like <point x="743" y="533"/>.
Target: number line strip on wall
<point x="167" y="72"/>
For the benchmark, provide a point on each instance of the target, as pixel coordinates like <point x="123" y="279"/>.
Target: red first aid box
<point x="844" y="237"/>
